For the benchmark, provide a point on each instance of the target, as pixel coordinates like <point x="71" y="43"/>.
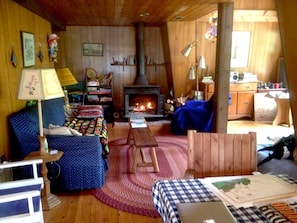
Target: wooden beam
<point x="222" y="70"/>
<point x="287" y="11"/>
<point x="57" y="23"/>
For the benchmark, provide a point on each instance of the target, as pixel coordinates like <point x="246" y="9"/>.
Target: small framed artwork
<point x="240" y="49"/>
<point x="93" y="49"/>
<point x="28" y="49"/>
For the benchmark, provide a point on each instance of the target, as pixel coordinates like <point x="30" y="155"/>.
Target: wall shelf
<point x="133" y="65"/>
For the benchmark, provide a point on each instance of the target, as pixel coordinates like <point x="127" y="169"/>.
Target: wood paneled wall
<point x="265" y="51"/>
<point x="118" y="43"/>
<point x="13" y="19"/>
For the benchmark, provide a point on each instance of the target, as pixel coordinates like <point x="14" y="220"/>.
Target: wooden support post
<point x="286" y="11"/>
<point x="223" y="56"/>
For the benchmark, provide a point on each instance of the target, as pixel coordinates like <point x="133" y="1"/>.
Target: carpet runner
<point x="133" y="192"/>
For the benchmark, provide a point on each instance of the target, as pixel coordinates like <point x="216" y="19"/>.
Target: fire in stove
<point x="143" y="104"/>
<point x="139" y="107"/>
<point x="144" y="100"/>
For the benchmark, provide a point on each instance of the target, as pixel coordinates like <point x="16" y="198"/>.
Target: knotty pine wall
<point x="265" y="51"/>
<point x="119" y="42"/>
<point x="13" y="19"/>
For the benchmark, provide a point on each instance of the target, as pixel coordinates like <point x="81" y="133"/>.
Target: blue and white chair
<point x="20" y="200"/>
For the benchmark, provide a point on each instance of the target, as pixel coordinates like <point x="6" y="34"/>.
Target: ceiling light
<point x="145" y="14"/>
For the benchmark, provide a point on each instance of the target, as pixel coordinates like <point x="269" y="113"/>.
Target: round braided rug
<point x="133" y="192"/>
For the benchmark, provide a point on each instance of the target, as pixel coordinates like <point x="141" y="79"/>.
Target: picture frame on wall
<point x="93" y="49"/>
<point x="28" y="48"/>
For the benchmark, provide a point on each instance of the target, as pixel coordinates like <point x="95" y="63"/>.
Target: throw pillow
<point x="61" y="130"/>
<point x="58" y="131"/>
<point x="89" y="111"/>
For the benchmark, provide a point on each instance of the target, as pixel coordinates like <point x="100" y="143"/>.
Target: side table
<point x="283" y="111"/>
<point x="49" y="200"/>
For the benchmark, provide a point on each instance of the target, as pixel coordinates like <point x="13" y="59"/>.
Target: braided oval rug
<point x="133" y="192"/>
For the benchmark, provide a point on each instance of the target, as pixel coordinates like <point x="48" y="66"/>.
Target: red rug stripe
<point x="133" y="192"/>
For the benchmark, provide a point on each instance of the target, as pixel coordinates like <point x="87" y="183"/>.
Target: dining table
<point x="167" y="193"/>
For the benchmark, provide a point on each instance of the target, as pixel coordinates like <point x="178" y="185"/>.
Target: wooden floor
<point x="82" y="206"/>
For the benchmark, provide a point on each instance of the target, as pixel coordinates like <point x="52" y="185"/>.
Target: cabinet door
<point x="245" y="103"/>
<point x="233" y="104"/>
<point x="208" y="96"/>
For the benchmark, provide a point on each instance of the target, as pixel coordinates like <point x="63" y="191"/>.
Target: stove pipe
<point x="140" y="56"/>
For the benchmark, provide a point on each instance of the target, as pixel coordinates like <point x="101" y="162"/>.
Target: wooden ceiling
<point x="62" y="13"/>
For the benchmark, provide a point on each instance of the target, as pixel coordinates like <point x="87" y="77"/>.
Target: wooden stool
<point x="283" y="111"/>
<point x="143" y="138"/>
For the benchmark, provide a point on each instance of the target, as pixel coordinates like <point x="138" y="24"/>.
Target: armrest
<point x="20" y="196"/>
<point x="75" y="143"/>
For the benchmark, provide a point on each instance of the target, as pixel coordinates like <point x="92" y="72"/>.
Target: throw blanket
<point x="92" y="127"/>
<point x="197" y="115"/>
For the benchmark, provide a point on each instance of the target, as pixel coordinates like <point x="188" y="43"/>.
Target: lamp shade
<point x="39" y="84"/>
<point x="186" y="51"/>
<point x="66" y="77"/>
<point x="202" y="63"/>
<point x="192" y="75"/>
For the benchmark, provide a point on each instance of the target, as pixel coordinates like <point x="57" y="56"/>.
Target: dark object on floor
<point x="282" y="149"/>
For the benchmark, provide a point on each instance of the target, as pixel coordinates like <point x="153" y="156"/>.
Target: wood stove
<point x="144" y="101"/>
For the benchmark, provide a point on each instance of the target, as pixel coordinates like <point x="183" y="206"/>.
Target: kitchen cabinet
<point x="242" y="98"/>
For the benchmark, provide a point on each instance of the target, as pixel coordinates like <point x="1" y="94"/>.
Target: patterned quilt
<point x="92" y="127"/>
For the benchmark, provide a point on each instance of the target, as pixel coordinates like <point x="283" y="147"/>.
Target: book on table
<point x="204" y="212"/>
<point x="138" y="122"/>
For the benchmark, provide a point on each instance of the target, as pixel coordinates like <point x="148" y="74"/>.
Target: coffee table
<point x="142" y="137"/>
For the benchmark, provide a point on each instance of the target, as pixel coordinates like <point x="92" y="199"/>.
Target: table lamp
<point x="40" y="84"/>
<point x="66" y="79"/>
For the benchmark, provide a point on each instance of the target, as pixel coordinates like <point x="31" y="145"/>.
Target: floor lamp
<point x="40" y="84"/>
<point x="193" y="72"/>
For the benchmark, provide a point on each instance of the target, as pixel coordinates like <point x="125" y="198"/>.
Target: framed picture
<point x="28" y="49"/>
<point x="240" y="49"/>
<point x="93" y="49"/>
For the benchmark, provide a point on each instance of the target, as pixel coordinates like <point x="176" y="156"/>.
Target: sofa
<point x="84" y="162"/>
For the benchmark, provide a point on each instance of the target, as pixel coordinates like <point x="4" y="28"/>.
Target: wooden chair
<point x="20" y="200"/>
<point x="220" y="154"/>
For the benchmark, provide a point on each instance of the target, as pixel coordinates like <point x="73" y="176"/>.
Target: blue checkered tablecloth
<point x="167" y="193"/>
